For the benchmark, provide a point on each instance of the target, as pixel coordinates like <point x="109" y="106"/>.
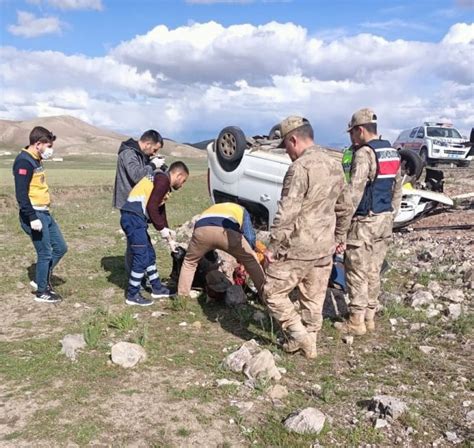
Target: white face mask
<point x="47" y="153"/>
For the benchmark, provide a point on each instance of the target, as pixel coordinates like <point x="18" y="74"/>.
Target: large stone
<point x="127" y="354"/>
<point x="235" y="296"/>
<point x="434" y="287"/>
<point x="71" y="343"/>
<point x="454" y="311"/>
<point x="306" y="421"/>
<point x="387" y="406"/>
<point x="454" y="295"/>
<point x="262" y="365"/>
<point x="236" y="360"/>
<point x="421" y="298"/>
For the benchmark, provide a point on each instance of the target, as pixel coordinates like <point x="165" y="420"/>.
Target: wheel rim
<point x="227" y="145"/>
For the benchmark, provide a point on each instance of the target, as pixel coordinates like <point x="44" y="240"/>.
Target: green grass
<point x="183" y="362"/>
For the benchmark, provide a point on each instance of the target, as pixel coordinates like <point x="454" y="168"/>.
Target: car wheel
<point x="411" y="164"/>
<point x="274" y="132"/>
<point x="424" y="156"/>
<point x="231" y="145"/>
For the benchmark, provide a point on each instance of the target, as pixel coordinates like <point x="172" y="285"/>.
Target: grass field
<point x="171" y="400"/>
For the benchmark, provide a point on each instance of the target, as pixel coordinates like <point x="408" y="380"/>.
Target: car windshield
<point x="443" y="132"/>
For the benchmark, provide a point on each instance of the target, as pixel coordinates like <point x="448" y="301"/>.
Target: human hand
<point x="269" y="258"/>
<point x="168" y="234"/>
<point x="36" y="225"/>
<point x="157" y="161"/>
<point x="340" y="248"/>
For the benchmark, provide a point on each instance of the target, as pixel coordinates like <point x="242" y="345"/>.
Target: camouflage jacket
<point x="363" y="170"/>
<point x="314" y="211"/>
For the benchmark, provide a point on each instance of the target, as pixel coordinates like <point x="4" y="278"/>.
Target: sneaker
<point x="47" y="297"/>
<point x="139" y="300"/>
<point x="162" y="292"/>
<point x="33" y="285"/>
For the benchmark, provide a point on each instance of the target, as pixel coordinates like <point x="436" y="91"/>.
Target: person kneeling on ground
<point x="227" y="227"/>
<point x="145" y="203"/>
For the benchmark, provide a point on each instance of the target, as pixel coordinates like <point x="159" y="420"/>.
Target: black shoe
<point x="47" y="297"/>
<point x="139" y="300"/>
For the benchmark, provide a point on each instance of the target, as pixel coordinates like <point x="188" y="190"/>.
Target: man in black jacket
<point x="136" y="159"/>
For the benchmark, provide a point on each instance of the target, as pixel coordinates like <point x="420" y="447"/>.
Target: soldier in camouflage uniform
<point x="313" y="215"/>
<point x="375" y="188"/>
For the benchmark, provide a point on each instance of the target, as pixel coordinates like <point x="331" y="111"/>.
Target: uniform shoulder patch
<point x="22" y="171"/>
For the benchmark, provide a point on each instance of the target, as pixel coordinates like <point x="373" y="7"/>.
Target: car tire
<point x="412" y="164"/>
<point x="230" y="147"/>
<point x="274" y="132"/>
<point x="424" y="156"/>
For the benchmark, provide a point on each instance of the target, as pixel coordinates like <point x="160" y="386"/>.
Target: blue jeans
<point x="143" y="253"/>
<point x="49" y="244"/>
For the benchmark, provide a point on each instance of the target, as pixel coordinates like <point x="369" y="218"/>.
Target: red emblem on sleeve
<point x="22" y="172"/>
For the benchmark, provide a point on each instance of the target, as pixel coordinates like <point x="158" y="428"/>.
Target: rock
<point x="380" y="423"/>
<point x="387" y="406"/>
<point x="235" y="296"/>
<point x="470" y="417"/>
<point x="242" y="406"/>
<point x="393" y="322"/>
<point x="426" y="349"/>
<point x="455" y="311"/>
<point x="420" y="298"/>
<point x="20" y="285"/>
<point x="225" y="382"/>
<point x="158" y="314"/>
<point x="236" y="360"/>
<point x="434" y="287"/>
<point x="197" y="325"/>
<point x="452" y="437"/>
<point x="277" y="392"/>
<point x="348" y="339"/>
<point x="193" y="294"/>
<point x="309" y="420"/>
<point x="417" y="287"/>
<point x="71" y="343"/>
<point x="183" y="324"/>
<point x="388" y="297"/>
<point x="468" y="276"/>
<point x="262" y="365"/>
<point x="432" y="313"/>
<point x="127" y="355"/>
<point x="455" y="295"/>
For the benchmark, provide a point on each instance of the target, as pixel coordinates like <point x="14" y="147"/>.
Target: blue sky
<point x="109" y="55"/>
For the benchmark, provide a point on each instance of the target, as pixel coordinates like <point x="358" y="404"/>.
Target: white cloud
<point x="31" y="26"/>
<point x="191" y="81"/>
<point x="72" y="4"/>
<point x="396" y="24"/>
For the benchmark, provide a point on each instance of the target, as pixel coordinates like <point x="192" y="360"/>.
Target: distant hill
<point x="75" y="136"/>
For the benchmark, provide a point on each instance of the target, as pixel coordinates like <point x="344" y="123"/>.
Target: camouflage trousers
<point x="367" y="244"/>
<point x="311" y="277"/>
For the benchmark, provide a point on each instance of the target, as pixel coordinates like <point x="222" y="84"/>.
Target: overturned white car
<point x="250" y="171"/>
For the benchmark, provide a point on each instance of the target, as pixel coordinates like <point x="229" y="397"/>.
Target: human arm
<point x="23" y="173"/>
<point x="156" y="208"/>
<point x="295" y="186"/>
<point x="344" y="210"/>
<point x="360" y="173"/>
<point x="134" y="167"/>
<point x="248" y="231"/>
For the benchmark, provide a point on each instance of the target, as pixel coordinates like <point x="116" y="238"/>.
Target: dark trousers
<point x="49" y="245"/>
<point x="143" y="254"/>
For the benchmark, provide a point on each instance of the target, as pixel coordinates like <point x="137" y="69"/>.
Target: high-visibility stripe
<point x="151" y="268"/>
<point x="133" y="283"/>
<point x="137" y="274"/>
<point x="153" y="276"/>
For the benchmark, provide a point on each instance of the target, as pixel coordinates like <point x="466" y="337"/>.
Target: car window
<point x="420" y="133"/>
<point x="433" y="131"/>
<point x="413" y="132"/>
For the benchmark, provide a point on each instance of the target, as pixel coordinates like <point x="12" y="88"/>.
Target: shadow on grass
<point x="55" y="281"/>
<point x="115" y="266"/>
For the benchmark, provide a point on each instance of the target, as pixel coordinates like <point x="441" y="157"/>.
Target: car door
<point x="411" y="139"/>
<point x="419" y="140"/>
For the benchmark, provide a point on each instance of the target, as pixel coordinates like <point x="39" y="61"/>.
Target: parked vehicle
<point x="435" y="143"/>
<point x="250" y="171"/>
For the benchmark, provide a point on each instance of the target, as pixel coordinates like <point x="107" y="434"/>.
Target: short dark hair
<point x="305" y="131"/>
<point x="178" y="166"/>
<point x="370" y="127"/>
<point x="152" y="136"/>
<point x="42" y="135"/>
